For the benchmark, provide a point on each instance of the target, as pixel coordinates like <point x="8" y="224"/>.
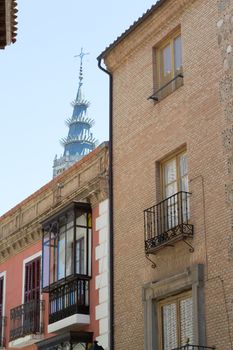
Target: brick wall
<point x="143" y="134"/>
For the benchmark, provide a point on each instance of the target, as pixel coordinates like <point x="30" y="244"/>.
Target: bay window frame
<point x="53" y="254"/>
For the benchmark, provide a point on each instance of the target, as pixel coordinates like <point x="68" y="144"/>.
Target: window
<point x="169" y="65"/>
<point x="32" y="281"/>
<point x="175" y="191"/>
<point x="175" y="317"/>
<point x="67" y="244"/>
<point x="175" y="175"/>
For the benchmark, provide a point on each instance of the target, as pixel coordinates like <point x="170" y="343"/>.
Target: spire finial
<point x="81" y="55"/>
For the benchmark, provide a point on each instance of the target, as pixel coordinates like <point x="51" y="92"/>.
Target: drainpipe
<point x="110" y="204"/>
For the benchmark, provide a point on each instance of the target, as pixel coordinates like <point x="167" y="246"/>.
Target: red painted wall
<point x="14" y="280"/>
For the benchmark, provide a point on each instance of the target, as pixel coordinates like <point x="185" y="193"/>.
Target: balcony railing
<point x="167" y="88"/>
<point x="194" y="347"/>
<point x="167" y="222"/>
<point x="69" y="298"/>
<point x="27" y="319"/>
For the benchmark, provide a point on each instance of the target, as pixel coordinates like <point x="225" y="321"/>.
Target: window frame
<point x="191" y="278"/>
<point x="32" y="283"/>
<point x="51" y="232"/>
<point x="160" y="81"/>
<point x="177" y="298"/>
<point x="175" y="156"/>
<point x="27" y="261"/>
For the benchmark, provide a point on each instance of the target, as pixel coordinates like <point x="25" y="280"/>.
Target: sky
<point x="39" y="80"/>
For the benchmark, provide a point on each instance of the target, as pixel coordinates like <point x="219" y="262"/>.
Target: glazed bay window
<point x="67" y="261"/>
<point x="175" y="321"/>
<point x="168" y="66"/>
<point x="168" y="221"/>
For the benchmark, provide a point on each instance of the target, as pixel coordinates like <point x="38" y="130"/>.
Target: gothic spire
<point x="79" y="141"/>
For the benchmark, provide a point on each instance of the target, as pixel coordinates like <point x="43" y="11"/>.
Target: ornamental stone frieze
<point x="86" y="181"/>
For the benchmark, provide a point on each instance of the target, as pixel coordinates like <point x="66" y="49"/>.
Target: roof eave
<point x="137" y="23"/>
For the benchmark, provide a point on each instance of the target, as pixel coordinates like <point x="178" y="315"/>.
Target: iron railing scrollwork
<point x="167" y="221"/>
<point x="69" y="298"/>
<point x="27" y="319"/>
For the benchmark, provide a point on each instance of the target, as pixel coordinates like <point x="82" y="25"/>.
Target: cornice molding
<point x="152" y="27"/>
<point x="21" y="228"/>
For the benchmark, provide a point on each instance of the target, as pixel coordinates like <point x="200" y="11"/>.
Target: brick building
<point x="171" y="115"/>
<point x="54" y="275"/>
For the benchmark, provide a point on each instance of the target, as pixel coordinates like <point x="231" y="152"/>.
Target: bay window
<point x="67" y="245"/>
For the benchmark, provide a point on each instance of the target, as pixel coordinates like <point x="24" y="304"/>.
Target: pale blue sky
<point x="39" y="79"/>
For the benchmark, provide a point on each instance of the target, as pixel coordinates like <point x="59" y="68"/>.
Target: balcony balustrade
<point x="194" y="347"/>
<point x="69" y="298"/>
<point x="167" y="222"/>
<point x="27" y="319"/>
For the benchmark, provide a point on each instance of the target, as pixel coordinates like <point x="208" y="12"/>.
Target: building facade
<point x="54" y="262"/>
<point x="171" y="98"/>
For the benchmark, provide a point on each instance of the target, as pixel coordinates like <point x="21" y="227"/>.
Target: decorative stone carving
<point x="230" y="165"/>
<point x="228" y="61"/>
<point x="230" y="246"/>
<point x="223" y="5"/>
<point x="225" y="35"/>
<point x="227" y="136"/>
<point x="226" y="88"/>
<point x="231" y="217"/>
<point x="229" y="193"/>
<point x="228" y="111"/>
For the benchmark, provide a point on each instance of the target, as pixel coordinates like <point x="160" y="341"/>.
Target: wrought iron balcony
<point x="167" y="222"/>
<point x="69" y="298"/>
<point x="27" y="319"/>
<point x="194" y="347"/>
<point x="167" y="88"/>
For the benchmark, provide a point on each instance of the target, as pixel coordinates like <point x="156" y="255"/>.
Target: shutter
<point x="169" y="313"/>
<point x="32" y="281"/>
<point x="186" y="321"/>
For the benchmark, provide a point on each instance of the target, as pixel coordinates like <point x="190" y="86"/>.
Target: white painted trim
<point x="76" y="319"/>
<point x="25" y="261"/>
<point x="102" y="279"/>
<point x="25" y="341"/>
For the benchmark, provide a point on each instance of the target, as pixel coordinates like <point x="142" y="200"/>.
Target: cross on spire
<point x="81" y="55"/>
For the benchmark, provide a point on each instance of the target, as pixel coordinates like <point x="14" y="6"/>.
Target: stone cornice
<point x="20" y="227"/>
<point x="150" y="28"/>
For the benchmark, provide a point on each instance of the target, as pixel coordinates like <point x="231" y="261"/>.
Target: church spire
<point x="79" y="141"/>
<point x="79" y="93"/>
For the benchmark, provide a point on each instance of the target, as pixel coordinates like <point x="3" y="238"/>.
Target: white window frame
<point x="25" y="261"/>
